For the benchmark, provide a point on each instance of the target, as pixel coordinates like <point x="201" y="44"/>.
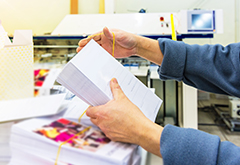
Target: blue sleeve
<point x="212" y="68"/>
<point x="190" y="146"/>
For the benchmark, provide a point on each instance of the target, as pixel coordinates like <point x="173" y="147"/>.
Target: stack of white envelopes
<point x="88" y="74"/>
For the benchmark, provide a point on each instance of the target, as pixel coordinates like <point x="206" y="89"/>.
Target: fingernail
<point x="114" y="80"/>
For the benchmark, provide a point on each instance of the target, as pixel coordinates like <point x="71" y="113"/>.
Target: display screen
<point x="202" y="21"/>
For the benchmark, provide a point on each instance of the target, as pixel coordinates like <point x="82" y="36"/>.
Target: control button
<point x="238" y="112"/>
<point x="161" y="18"/>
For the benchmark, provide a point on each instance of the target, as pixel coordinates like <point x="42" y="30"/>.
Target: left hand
<point x="125" y="43"/>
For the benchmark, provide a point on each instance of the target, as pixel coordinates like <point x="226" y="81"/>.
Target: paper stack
<point x="75" y="109"/>
<point x="88" y="74"/>
<point x="37" y="141"/>
<point x="15" y="110"/>
<point x="44" y="80"/>
<point x="5" y="153"/>
<point x="12" y="110"/>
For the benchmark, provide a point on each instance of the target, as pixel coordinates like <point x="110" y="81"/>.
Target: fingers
<point x="83" y="42"/>
<point x="116" y="89"/>
<point x="78" y="49"/>
<point x="91" y="112"/>
<point x="97" y="37"/>
<point x="107" y="33"/>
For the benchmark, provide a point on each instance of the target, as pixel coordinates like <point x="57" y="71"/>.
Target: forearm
<point x="149" y="49"/>
<point x="191" y="146"/>
<point x="212" y="68"/>
<point x="149" y="137"/>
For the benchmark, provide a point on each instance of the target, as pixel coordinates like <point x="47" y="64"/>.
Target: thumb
<point x="91" y="112"/>
<point x="116" y="89"/>
<point x="107" y="33"/>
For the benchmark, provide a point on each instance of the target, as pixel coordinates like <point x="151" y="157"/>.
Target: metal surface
<point x="158" y="85"/>
<point x="232" y="124"/>
<point x="67" y="37"/>
<point x="167" y="91"/>
<point x="55" y="46"/>
<point x="171" y="99"/>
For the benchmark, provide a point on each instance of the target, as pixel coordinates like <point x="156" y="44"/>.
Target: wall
<point x="88" y="6"/>
<point x="237" y="20"/>
<point x="40" y="16"/>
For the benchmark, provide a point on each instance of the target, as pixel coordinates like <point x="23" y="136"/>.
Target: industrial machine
<point x="234" y="107"/>
<point x="150" y="24"/>
<point x="230" y="114"/>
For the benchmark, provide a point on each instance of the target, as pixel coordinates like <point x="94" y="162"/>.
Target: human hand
<point x="123" y="121"/>
<point x="119" y="118"/>
<point x="125" y="43"/>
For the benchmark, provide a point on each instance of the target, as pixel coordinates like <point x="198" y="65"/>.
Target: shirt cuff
<point x="188" y="146"/>
<point x="173" y="63"/>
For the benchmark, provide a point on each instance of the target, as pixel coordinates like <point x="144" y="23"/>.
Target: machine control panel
<point x="234" y="108"/>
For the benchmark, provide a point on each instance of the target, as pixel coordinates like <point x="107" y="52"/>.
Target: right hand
<point x="125" y="43"/>
<point x="119" y="119"/>
<point x="123" y="121"/>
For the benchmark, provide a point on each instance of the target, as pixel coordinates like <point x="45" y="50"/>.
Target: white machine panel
<point x="142" y="23"/>
<point x="138" y="23"/>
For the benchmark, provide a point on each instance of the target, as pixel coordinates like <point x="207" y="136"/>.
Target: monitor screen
<point x="201" y="21"/>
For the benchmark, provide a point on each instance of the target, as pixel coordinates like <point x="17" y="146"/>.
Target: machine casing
<point x="234" y="106"/>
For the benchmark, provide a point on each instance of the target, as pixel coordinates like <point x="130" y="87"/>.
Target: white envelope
<point x="88" y="74"/>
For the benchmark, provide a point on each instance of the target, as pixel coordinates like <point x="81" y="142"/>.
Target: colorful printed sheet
<point x="62" y="129"/>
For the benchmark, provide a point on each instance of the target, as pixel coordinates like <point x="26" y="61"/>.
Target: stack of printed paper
<point x="12" y="110"/>
<point x="88" y="75"/>
<point x="37" y="141"/>
<point x="5" y="153"/>
<point x="75" y="109"/>
<point x="15" y="110"/>
<point x="44" y="80"/>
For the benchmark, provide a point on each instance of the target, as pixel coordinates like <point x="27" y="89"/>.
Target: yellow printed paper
<point x="16" y="61"/>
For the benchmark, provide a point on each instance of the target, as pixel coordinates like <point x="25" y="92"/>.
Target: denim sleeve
<point x="189" y="146"/>
<point x="212" y="68"/>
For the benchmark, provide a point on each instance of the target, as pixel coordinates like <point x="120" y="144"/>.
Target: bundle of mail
<point x="63" y="138"/>
<point x="39" y="141"/>
<point x="88" y="76"/>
